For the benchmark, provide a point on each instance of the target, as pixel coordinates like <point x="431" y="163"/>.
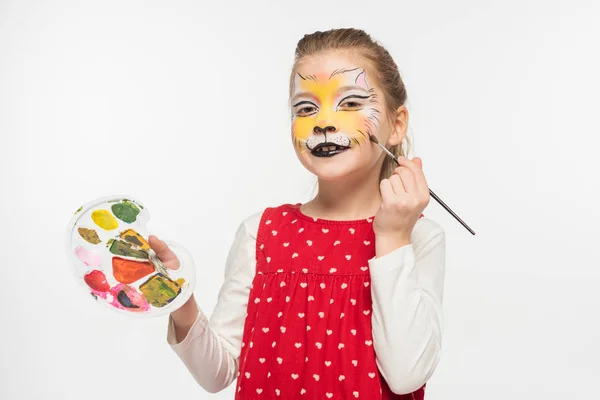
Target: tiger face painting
<point x="333" y="111"/>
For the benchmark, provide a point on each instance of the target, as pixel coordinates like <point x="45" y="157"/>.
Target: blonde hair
<point x="384" y="68"/>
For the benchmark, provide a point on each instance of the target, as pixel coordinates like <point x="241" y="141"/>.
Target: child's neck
<point x="350" y="199"/>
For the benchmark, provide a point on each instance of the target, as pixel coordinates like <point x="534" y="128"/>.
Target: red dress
<point x="307" y="334"/>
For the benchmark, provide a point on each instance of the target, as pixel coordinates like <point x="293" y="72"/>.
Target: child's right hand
<point x="163" y="252"/>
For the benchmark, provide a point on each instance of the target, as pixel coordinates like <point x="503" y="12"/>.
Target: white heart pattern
<point x="321" y="258"/>
<point x="298" y="345"/>
<point x="247" y="375"/>
<point x="366" y="242"/>
<point x="294" y="376"/>
<point x="294" y="255"/>
<point x="279" y="360"/>
<point x="353" y="331"/>
<point x="351" y="230"/>
<point x="355" y="362"/>
<point x="327" y="363"/>
<point x="274" y="233"/>
<point x="368" y="342"/>
<point x="303" y="285"/>
<point x="348" y="257"/>
<point x="336" y="242"/>
<point x="355" y="394"/>
<point x="344" y="285"/>
<point x="332" y="270"/>
<point x="286" y="244"/>
<point x="325" y="230"/>
<point x="262" y="360"/>
<point x="316" y="377"/>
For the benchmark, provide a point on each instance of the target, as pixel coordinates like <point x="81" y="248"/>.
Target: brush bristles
<point x="373" y="139"/>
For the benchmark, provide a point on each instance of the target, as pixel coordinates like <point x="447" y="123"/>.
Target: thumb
<point x="163" y="252"/>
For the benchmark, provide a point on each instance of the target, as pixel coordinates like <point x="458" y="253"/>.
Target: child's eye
<point x="304" y="111"/>
<point x="350" y="105"/>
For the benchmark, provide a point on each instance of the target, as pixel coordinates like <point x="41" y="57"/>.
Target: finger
<point x="163" y="252"/>
<point x="419" y="176"/>
<point x="397" y="184"/>
<point x="408" y="180"/>
<point x="387" y="192"/>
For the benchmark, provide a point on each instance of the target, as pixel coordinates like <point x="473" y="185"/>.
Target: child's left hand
<point x="404" y="196"/>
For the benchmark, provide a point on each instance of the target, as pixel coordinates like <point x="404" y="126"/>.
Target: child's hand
<point x="404" y="196"/>
<point x="163" y="252"/>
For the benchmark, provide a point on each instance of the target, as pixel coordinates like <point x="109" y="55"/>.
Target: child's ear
<point x="399" y="127"/>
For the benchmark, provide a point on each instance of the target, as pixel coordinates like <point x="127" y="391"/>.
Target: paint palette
<point x="107" y="245"/>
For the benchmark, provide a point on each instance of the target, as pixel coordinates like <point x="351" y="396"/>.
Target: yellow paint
<point x="132" y="236"/>
<point x="104" y="219"/>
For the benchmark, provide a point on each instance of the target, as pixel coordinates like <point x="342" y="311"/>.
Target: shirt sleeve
<point x="211" y="349"/>
<point x="407" y="289"/>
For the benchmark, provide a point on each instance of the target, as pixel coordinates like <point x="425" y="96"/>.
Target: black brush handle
<point x="435" y="196"/>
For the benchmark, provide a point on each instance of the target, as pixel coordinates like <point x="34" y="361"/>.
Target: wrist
<point x="386" y="243"/>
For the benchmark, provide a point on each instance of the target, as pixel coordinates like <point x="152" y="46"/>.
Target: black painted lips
<point x="328" y="149"/>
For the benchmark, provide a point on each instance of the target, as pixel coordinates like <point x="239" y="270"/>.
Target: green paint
<point x="160" y="290"/>
<point x="79" y="209"/>
<point x="126" y="211"/>
<point x="122" y="248"/>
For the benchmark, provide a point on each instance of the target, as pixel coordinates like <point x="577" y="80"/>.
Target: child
<point x="341" y="297"/>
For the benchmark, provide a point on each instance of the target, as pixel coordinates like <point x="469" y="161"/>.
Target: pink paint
<point x="125" y="297"/>
<point x="89" y="258"/>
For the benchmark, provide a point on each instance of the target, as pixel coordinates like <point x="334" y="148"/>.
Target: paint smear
<point x="104" y="219"/>
<point x="160" y="290"/>
<point x="129" y="271"/>
<point x="122" y="248"/>
<point x="126" y="211"/>
<point x="97" y="281"/>
<point x="89" y="258"/>
<point x="127" y="298"/>
<point x="135" y="239"/>
<point x="89" y="235"/>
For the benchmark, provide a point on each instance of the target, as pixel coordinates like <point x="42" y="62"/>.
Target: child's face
<point x="335" y="106"/>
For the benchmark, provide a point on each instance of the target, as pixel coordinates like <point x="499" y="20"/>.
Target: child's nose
<point x="327" y="129"/>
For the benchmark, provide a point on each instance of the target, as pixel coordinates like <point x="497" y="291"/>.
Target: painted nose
<point x="327" y="129"/>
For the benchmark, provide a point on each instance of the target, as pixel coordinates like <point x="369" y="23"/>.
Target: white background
<point x="183" y="105"/>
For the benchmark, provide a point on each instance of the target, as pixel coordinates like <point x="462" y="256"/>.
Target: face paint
<point x="333" y="112"/>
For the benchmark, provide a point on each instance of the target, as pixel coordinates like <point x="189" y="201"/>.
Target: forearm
<point x="407" y="311"/>
<point x="184" y="317"/>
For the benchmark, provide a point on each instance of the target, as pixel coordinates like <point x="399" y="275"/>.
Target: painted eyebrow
<point x="352" y="87"/>
<point x="301" y="94"/>
<point x="304" y="102"/>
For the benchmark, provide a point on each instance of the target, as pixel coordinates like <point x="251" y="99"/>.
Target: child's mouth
<point x="328" y="149"/>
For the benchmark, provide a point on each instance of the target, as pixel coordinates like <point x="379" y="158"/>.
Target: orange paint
<point x="128" y="271"/>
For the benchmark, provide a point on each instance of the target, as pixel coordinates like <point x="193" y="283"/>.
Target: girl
<point x="340" y="297"/>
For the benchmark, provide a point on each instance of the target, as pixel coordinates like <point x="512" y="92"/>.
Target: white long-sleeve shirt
<point x="406" y="289"/>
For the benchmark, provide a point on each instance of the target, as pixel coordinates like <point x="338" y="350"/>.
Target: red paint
<point x="97" y="281"/>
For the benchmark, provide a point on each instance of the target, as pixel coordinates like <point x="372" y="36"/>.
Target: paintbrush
<point x="389" y="153"/>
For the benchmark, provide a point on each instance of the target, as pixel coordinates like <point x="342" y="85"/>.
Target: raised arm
<point x="407" y="290"/>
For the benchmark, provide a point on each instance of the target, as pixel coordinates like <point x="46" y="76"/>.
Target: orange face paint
<point x="337" y="107"/>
